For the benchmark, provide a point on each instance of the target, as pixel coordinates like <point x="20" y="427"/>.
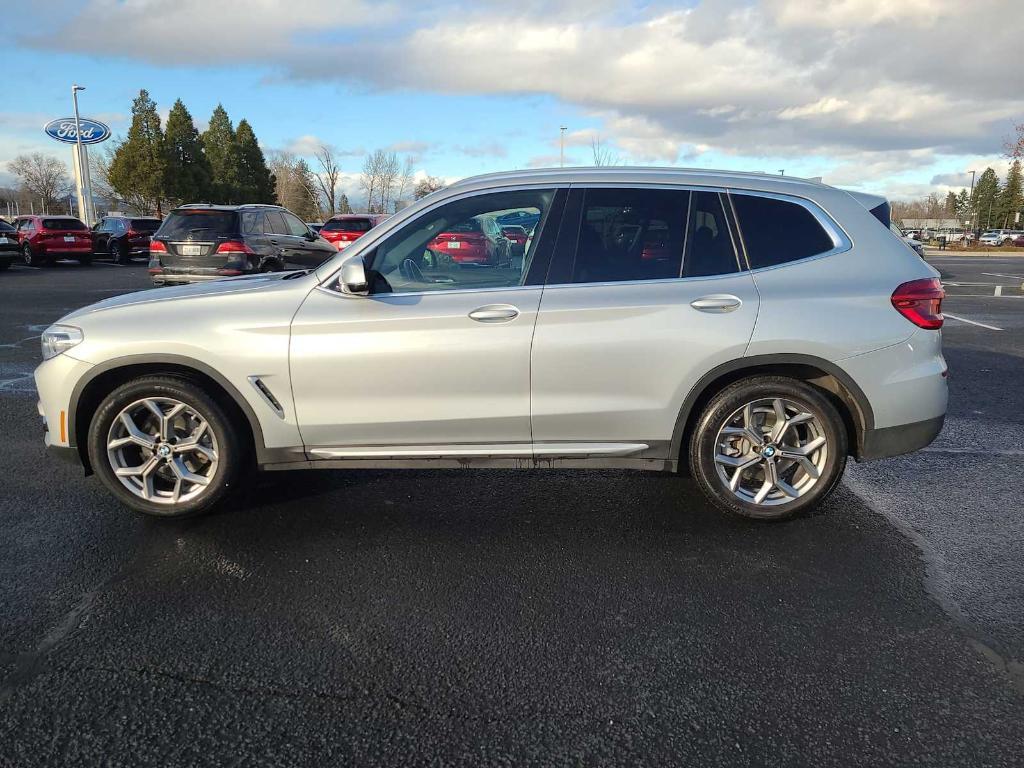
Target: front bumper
<point x="55" y="381"/>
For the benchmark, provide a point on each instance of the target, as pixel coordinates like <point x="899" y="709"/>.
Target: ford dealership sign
<point x="93" y="131"/>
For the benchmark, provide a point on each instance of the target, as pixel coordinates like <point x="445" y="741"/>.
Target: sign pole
<point x="83" y="187"/>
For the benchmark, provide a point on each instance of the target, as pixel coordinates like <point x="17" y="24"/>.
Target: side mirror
<point x="353" y="277"/>
<point x="311" y="235"/>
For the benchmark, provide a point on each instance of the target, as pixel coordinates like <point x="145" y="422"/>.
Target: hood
<point x="223" y="287"/>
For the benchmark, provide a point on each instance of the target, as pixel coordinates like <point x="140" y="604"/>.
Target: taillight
<point x="234" y="246"/>
<point x="155" y="246"/>
<point x="920" y="301"/>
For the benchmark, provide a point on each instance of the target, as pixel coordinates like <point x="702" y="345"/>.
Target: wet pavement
<point x="529" y="618"/>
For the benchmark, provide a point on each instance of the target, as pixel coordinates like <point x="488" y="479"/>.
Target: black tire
<point x="31" y="258"/>
<point x="232" y="454"/>
<point x="703" y="445"/>
<point x="270" y="265"/>
<point x="118" y="253"/>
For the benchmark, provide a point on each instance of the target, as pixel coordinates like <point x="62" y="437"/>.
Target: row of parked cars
<point x="205" y="242"/>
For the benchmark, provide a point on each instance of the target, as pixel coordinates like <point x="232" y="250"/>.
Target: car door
<point x="309" y="251"/>
<point x="435" y="361"/>
<point x="647" y="293"/>
<point x="100" y="236"/>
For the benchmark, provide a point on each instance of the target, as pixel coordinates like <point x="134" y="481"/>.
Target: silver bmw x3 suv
<point x="754" y="330"/>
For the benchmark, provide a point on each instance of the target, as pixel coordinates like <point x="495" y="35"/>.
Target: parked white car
<point x="755" y="329"/>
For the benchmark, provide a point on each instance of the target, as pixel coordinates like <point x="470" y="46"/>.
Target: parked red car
<point x="1019" y="241"/>
<point x="44" y="239"/>
<point x="344" y="229"/>
<point x="474" y="241"/>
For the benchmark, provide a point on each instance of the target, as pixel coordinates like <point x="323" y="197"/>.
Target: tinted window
<point x="446" y="249"/>
<point x="145" y="225"/>
<point x="200" y="224"/>
<point x="5" y="227"/>
<point x="348" y="225"/>
<point x="273" y="223"/>
<point x="630" y="234"/>
<point x="67" y="224"/>
<point x="709" y="248"/>
<point x="777" y="231"/>
<point x="252" y="223"/>
<point x="295" y="225"/>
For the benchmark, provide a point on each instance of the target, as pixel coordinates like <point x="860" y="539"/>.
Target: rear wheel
<point x="118" y="253"/>
<point x="31" y="258"/>
<point x="165" y="448"/>
<point x="768" y="448"/>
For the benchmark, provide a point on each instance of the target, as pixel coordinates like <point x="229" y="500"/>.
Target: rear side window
<point x="630" y="234"/>
<point x="777" y="231"/>
<point x="348" y="225"/>
<point x="68" y="224"/>
<point x="709" y="246"/>
<point x="200" y="224"/>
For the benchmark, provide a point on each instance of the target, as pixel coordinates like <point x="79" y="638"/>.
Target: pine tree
<point x="137" y="169"/>
<point x="963" y="206"/>
<point x="343" y="204"/>
<point x="255" y="181"/>
<point x="221" y="147"/>
<point x="188" y="174"/>
<point x="986" y="195"/>
<point x="949" y="208"/>
<point x="1011" y="199"/>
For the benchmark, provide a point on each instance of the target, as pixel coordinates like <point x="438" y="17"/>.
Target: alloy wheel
<point x="771" y="451"/>
<point x="162" y="450"/>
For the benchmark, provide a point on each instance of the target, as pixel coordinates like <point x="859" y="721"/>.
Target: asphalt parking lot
<point x="521" y="618"/>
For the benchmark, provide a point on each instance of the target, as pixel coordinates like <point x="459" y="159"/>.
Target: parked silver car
<point x="754" y="329"/>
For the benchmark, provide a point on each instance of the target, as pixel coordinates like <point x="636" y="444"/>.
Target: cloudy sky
<point x="898" y="96"/>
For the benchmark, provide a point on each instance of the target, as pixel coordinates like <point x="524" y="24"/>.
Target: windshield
<point x="145" y="225"/>
<point x="200" y="223"/>
<point x="67" y="224"/>
<point x="348" y="225"/>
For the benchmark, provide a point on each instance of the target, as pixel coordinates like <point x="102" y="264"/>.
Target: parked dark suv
<point x="207" y="242"/>
<point x="8" y="244"/>
<point x="122" y="237"/>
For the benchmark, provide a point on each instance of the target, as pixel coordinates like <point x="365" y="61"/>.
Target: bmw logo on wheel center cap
<point x="768" y="451"/>
<point x="163" y="450"/>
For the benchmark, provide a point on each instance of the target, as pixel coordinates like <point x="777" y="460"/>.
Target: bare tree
<point x="1014" y="145"/>
<point x="389" y="173"/>
<point x="44" y="176"/>
<point x="602" y="155"/>
<point x="296" y="187"/>
<point x="404" y="181"/>
<point x="327" y="179"/>
<point x="369" y="179"/>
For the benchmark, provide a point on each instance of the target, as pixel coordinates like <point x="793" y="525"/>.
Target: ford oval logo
<point x="93" y="131"/>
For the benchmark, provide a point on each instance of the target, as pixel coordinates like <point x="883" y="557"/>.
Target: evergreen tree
<point x="137" y="169"/>
<point x="255" y="181"/>
<point x="221" y="147"/>
<point x="963" y="206"/>
<point x="343" y="204"/>
<point x="188" y="174"/>
<point x="986" y="195"/>
<point x="950" y="205"/>
<point x="1011" y="199"/>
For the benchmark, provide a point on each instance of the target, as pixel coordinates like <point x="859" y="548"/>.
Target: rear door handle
<point x="494" y="313"/>
<point x="718" y="302"/>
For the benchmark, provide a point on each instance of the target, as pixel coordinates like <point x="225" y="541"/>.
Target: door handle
<point x="494" y="313"/>
<point x="718" y="302"/>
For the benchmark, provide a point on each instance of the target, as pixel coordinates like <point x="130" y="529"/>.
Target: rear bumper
<point x="905" y="438"/>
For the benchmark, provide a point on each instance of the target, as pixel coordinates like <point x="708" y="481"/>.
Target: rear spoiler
<point x="876" y="204"/>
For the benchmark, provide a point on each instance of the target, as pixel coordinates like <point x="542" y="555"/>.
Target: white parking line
<point x="971" y="322"/>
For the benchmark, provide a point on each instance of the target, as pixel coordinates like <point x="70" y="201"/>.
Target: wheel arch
<point x="104" y="378"/>
<point x="845" y="393"/>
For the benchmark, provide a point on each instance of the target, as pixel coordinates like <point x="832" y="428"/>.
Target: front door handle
<point x="494" y="313"/>
<point x="718" y="302"/>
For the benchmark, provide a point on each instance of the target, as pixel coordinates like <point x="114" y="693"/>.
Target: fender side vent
<point x="268" y="396"/>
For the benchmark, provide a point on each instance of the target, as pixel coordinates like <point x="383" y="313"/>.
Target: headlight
<point x="59" y="338"/>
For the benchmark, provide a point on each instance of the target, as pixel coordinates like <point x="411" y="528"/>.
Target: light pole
<point x="974" y="213"/>
<point x="561" y="147"/>
<point x="782" y="171"/>
<point x="84" y="187"/>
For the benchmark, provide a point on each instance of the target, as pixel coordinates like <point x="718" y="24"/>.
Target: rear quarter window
<point x="778" y="231"/>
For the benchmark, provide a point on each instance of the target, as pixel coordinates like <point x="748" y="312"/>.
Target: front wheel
<point x="164" y="447"/>
<point x="769" y="448"/>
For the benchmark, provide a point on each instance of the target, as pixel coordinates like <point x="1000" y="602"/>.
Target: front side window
<point x="778" y="231"/>
<point x="295" y="226"/>
<point x="458" y="247"/>
<point x="630" y="234"/>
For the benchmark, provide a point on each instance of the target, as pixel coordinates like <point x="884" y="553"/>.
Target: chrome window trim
<point x="841" y="241"/>
<point x="459" y="291"/>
